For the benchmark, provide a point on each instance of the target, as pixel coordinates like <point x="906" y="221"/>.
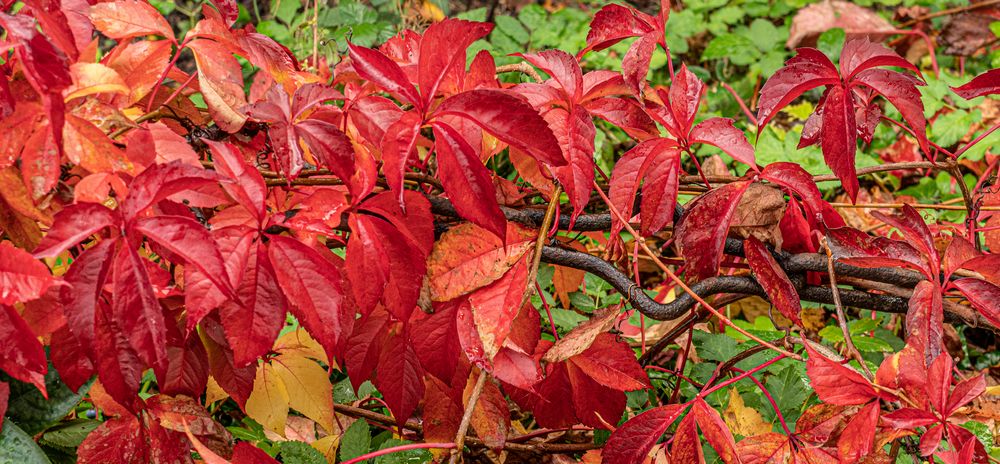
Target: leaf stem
<point x="463" y="427"/>
<point x="400" y="448"/>
<point x="679" y="282"/>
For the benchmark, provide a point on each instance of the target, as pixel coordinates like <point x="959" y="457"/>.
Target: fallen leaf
<point x="817" y="18"/>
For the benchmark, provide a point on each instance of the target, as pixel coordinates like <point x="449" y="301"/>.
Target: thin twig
<point x="521" y="67"/>
<point x="679" y="282"/>
<point x="463" y="427"/>
<point x="543" y="232"/>
<point x="946" y="12"/>
<point x="841" y="318"/>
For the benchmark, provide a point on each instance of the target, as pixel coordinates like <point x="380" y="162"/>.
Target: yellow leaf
<point x="94" y="78"/>
<point x="327" y="446"/>
<point x="993" y="391"/>
<point x="268" y="402"/>
<point x="308" y="386"/>
<point x="299" y="343"/>
<point x="214" y="392"/>
<point x="431" y="11"/>
<point x="743" y="420"/>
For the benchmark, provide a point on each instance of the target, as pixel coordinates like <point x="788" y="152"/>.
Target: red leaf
<point x="912" y="225"/>
<point x="772" y="277"/>
<point x="22" y="278"/>
<point x="987" y="83"/>
<point x="399" y="142"/>
<point x="683" y="99"/>
<point x="625" y="114"/>
<point x="611" y="363"/>
<point x="796" y="179"/>
<point x="966" y="391"/>
<point x="71" y="225"/>
<point x="466" y="258"/>
<point x="839" y="137"/>
<point x="200" y="294"/>
<point x="806" y="71"/>
<point x="509" y="119"/>
<point x="399" y="377"/>
<point x="720" y="132"/>
<point x="858" y="437"/>
<point x="563" y="68"/>
<point x="126" y="19"/>
<point x="635" y="64"/>
<point x="187" y="365"/>
<point x="70" y="359"/>
<point x="117" y="441"/>
<point x="631" y="442"/>
<point x="491" y="415"/>
<point x="835" y="383"/>
<point x="116" y="361"/>
<point x="575" y="130"/>
<point x="136" y="309"/>
<point x="686" y="446"/>
<point x="983" y="295"/>
<point x="902" y="92"/>
<point x="658" y="162"/>
<point x="312" y="285"/>
<point x="516" y="368"/>
<point x="190" y="241"/>
<point x="161" y="181"/>
<point x="860" y="249"/>
<point x="335" y="151"/>
<point x="702" y="231"/>
<point x="21" y="355"/>
<point x="220" y="79"/>
<point x="909" y="418"/>
<point x="375" y="67"/>
<point x="925" y="320"/>
<point x="365" y="346"/>
<point x="86" y="279"/>
<point x="467" y="181"/>
<point x="248" y="186"/>
<point x="236" y="381"/>
<point x="443" y="50"/>
<point x="442" y="410"/>
<point x="614" y="23"/>
<point x="495" y="306"/>
<point x="716" y="431"/>
<point x="383" y="265"/>
<point x="436" y="341"/>
<point x="251" y="328"/>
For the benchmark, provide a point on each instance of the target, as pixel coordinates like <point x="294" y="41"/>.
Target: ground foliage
<point x="297" y="232"/>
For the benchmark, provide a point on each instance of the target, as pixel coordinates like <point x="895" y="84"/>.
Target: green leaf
<point x="533" y="16"/>
<point x="69" y="434"/>
<point x="16" y="446"/>
<point x="285" y="9"/>
<point x="788" y="388"/>
<point x="356" y="440"/>
<point x="765" y="35"/>
<point x="32" y="411"/>
<point x="415" y="456"/>
<point x="949" y="128"/>
<point x="831" y="41"/>
<point x="513" y="28"/>
<point x="740" y="50"/>
<point x="297" y="452"/>
<point x="715" y="347"/>
<point x="871" y="345"/>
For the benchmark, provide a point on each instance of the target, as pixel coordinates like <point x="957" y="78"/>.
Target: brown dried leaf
<point x="966" y="33"/>
<point x="817" y="18"/>
<point x="758" y="214"/>
<point x="579" y="339"/>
